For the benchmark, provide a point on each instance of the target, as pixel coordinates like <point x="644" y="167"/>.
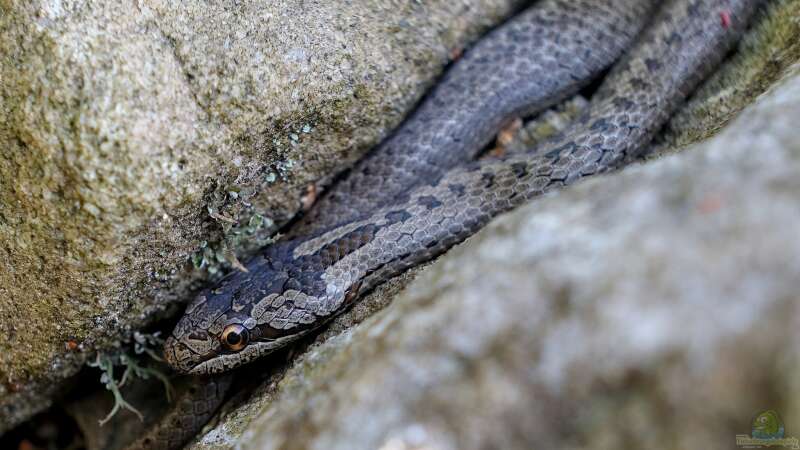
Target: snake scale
<point x="422" y="190"/>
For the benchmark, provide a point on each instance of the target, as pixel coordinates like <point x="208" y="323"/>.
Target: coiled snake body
<point x="421" y="192"/>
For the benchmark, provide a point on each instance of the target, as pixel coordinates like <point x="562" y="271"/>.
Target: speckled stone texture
<point x="652" y="309"/>
<point x="140" y="139"/>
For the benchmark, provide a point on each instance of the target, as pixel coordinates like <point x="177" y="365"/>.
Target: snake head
<point x="249" y="315"/>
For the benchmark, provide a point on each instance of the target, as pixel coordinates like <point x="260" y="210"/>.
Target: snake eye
<point x="234" y="337"/>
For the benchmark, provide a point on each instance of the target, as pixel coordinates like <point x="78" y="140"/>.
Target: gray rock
<point x="140" y="139"/>
<point x="655" y="308"/>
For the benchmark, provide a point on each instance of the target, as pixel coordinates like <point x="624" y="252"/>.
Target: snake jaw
<point x="225" y="362"/>
<point x="179" y="356"/>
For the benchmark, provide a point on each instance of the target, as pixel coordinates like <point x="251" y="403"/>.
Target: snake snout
<point x="169" y="353"/>
<point x="178" y="356"/>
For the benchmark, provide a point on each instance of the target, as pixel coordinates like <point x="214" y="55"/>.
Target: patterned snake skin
<point x="421" y="192"/>
<point x="539" y="58"/>
<point x="187" y="416"/>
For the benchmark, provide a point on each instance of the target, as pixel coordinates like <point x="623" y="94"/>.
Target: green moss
<point x="764" y="55"/>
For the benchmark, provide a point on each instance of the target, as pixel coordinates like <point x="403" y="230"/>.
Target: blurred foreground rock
<point x="655" y="308"/>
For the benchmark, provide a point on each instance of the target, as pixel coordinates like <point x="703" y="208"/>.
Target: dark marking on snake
<point x="429" y="201"/>
<point x="487" y="180"/>
<point x="520" y="169"/>
<point x="456" y="189"/>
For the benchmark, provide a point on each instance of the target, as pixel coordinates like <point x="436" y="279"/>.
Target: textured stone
<point x="139" y="137"/>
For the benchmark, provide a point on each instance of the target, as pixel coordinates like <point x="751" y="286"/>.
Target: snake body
<point x="537" y="59"/>
<point x="421" y="192"/>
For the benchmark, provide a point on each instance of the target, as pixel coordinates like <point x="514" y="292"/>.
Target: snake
<point x="424" y="189"/>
